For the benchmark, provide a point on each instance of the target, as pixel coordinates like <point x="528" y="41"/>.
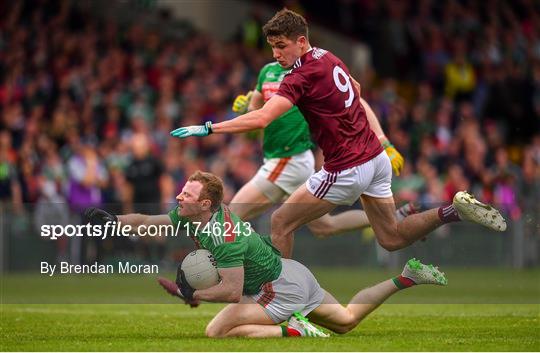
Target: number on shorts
<point x="344" y="86"/>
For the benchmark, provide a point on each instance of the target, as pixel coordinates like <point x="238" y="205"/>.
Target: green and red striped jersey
<point x="233" y="243"/>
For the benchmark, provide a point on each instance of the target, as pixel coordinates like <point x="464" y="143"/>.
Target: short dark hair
<point x="212" y="188"/>
<point x="286" y="23"/>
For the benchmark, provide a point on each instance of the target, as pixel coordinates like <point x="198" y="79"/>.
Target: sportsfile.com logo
<point x="109" y="229"/>
<point x="118" y="229"/>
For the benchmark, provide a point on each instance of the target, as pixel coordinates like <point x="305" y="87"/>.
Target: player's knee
<point x="389" y="238"/>
<point x="390" y="243"/>
<point x="282" y="223"/>
<point x="215" y="331"/>
<point x="345" y="327"/>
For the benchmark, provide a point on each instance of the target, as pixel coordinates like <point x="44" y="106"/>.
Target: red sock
<point x="403" y="282"/>
<point x="289" y="332"/>
<point x="448" y="214"/>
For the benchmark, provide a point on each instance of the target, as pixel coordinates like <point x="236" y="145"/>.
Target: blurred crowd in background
<point x="87" y="104"/>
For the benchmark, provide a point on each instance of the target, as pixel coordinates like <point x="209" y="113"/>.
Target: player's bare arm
<point x="136" y="219"/>
<point x="356" y="85"/>
<point x="229" y="290"/>
<point x="396" y="158"/>
<point x="372" y="119"/>
<point x="257" y="119"/>
<point x="256" y="102"/>
<point x="132" y="221"/>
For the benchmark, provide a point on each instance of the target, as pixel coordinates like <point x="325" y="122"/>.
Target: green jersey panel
<point x="233" y="243"/>
<point x="289" y="134"/>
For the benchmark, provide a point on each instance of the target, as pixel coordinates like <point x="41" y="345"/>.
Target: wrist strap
<point x="387" y="144"/>
<point x="208" y="125"/>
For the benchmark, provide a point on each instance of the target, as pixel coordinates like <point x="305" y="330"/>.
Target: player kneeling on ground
<point x="264" y="289"/>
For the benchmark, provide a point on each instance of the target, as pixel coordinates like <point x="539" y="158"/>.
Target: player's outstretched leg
<point x="299" y="209"/>
<point x="419" y="273"/>
<point x="347" y="221"/>
<point x="394" y="235"/>
<point x="248" y="319"/>
<point x="406" y="210"/>
<point x="249" y="202"/>
<point x="334" y="316"/>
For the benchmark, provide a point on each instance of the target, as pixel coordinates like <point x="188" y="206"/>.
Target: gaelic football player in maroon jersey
<point x="356" y="166"/>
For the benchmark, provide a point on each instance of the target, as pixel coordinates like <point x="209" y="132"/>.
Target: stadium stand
<point x="457" y="88"/>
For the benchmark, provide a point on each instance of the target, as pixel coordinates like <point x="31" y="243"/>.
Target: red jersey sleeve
<point x="293" y="87"/>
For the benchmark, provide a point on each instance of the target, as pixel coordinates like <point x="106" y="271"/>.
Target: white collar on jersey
<point x="298" y="61"/>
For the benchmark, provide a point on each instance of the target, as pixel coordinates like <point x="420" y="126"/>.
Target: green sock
<point x="284" y="332"/>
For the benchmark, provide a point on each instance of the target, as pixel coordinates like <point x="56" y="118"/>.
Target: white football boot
<point x="306" y="328"/>
<point x="423" y="274"/>
<point x="470" y="209"/>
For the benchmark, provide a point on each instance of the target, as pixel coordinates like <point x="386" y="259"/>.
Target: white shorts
<point x="279" y="177"/>
<point x="295" y="290"/>
<point x="372" y="178"/>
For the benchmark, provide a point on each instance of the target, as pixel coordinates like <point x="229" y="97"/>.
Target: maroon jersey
<point x="319" y="84"/>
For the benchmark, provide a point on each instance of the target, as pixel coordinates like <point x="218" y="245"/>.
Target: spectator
<point x="144" y="176"/>
<point x="454" y="107"/>
<point x="460" y="77"/>
<point x="87" y="177"/>
<point x="10" y="189"/>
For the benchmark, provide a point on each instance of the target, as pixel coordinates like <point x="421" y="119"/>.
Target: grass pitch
<point x="493" y="310"/>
